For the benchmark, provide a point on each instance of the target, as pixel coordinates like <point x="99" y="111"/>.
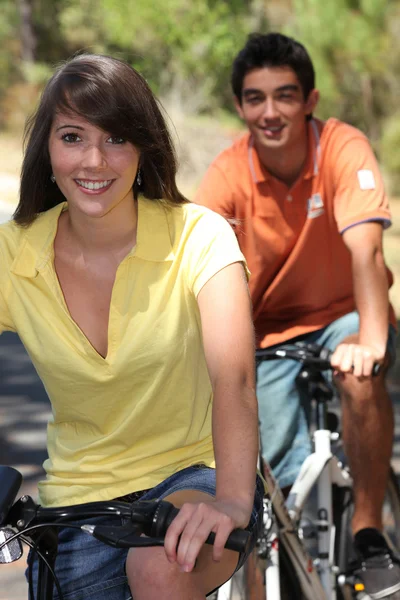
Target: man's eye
<point x="285" y="97"/>
<point x="70" y="138"/>
<point x="116" y="140"/>
<point x="254" y="100"/>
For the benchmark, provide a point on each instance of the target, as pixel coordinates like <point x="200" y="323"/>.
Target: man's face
<point x="274" y="108"/>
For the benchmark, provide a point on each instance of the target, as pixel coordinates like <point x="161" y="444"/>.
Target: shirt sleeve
<point x="211" y="247"/>
<point x="215" y="192"/>
<point x="360" y="195"/>
<point x="6" y="322"/>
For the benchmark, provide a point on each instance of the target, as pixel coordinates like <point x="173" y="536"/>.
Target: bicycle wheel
<point x="248" y="583"/>
<point x="343" y="513"/>
<point x="391" y="512"/>
<point x="290" y="585"/>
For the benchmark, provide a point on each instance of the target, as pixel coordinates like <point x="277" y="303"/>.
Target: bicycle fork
<point x="325" y="527"/>
<point x="273" y="586"/>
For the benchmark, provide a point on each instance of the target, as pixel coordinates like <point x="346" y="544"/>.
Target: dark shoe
<point x="376" y="570"/>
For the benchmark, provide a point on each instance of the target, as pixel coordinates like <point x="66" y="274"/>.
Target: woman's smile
<point x="91" y="186"/>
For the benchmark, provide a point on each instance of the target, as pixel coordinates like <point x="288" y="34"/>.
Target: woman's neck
<point x="114" y="233"/>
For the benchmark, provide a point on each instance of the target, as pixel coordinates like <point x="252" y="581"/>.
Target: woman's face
<point x="93" y="169"/>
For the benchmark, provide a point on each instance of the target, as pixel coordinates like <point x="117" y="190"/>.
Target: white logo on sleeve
<point x="315" y="206"/>
<point x="366" y="179"/>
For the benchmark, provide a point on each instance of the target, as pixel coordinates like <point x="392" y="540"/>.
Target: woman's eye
<point x="116" y="140"/>
<point x="70" y="138"/>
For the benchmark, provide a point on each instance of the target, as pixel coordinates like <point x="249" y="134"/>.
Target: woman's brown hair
<point x="113" y="96"/>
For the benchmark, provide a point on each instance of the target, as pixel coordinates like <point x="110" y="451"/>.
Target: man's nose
<point x="270" y="109"/>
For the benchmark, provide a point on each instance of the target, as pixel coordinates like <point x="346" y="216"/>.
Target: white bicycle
<point x="299" y="557"/>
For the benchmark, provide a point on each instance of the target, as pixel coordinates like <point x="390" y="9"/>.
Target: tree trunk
<point x="27" y="33"/>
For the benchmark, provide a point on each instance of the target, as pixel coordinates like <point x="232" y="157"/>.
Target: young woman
<point x="133" y="306"/>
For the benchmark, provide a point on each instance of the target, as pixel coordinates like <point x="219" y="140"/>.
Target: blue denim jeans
<point x="284" y="410"/>
<point x="89" y="569"/>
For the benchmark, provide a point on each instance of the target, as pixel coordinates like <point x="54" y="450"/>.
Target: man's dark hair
<point x="272" y="50"/>
<point x="113" y="96"/>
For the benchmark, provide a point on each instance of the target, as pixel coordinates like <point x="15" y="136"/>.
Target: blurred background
<point x="185" y="49"/>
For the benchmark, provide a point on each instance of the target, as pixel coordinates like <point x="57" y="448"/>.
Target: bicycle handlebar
<point x="155" y="528"/>
<point x="310" y="355"/>
<point x="149" y="517"/>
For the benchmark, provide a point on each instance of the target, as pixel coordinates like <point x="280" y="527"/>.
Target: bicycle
<point x="146" y="522"/>
<point x="282" y="565"/>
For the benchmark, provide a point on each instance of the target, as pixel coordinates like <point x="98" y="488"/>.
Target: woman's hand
<point x="191" y="527"/>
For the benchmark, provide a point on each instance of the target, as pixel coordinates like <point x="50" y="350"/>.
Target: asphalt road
<point x="24" y="410"/>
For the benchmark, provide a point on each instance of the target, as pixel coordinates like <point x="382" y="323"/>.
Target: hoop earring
<point x="139" y="178"/>
<point x="52" y="178"/>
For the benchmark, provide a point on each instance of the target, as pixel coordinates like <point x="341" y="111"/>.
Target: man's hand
<point x="357" y="359"/>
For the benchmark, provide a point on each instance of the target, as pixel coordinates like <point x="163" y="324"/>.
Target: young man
<point x="308" y="206"/>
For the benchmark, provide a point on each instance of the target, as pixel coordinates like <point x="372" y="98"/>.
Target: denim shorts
<point x="284" y="410"/>
<point x="89" y="569"/>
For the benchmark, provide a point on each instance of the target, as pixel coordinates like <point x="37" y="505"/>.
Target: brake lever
<point x="125" y="536"/>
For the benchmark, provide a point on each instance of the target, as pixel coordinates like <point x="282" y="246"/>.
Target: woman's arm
<point x="228" y="340"/>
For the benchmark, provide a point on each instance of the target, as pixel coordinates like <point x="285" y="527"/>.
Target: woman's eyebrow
<point x="68" y="126"/>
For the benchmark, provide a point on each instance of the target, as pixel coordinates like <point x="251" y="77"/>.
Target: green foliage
<point x="184" y="48"/>
<point x="8" y="45"/>
<point x="349" y="43"/>
<point x="390" y="151"/>
<point x="355" y="47"/>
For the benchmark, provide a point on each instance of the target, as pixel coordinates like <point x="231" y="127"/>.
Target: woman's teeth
<point x="93" y="185"/>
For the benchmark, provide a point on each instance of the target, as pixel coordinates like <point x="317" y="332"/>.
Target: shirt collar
<point x="260" y="174"/>
<point x="153" y="241"/>
<point x="314" y="150"/>
<point x="37" y="245"/>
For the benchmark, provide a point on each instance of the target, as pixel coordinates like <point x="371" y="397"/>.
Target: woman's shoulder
<point x="197" y="227"/>
<point x="13" y="236"/>
<point x="195" y="215"/>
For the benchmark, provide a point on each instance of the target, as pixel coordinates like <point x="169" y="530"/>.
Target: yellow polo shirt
<point x="128" y="421"/>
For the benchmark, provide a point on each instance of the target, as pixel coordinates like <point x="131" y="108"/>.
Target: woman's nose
<point x="94" y="158"/>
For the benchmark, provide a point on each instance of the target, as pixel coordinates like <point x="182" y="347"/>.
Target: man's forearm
<point x="371" y="298"/>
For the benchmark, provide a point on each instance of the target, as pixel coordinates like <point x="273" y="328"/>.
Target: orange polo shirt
<point x="301" y="269"/>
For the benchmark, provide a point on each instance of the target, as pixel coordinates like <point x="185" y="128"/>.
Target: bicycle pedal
<point x="355" y="588"/>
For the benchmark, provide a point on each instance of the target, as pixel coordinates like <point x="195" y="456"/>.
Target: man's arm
<point x="370" y="284"/>
<point x="215" y="192"/>
<point x="361" y="212"/>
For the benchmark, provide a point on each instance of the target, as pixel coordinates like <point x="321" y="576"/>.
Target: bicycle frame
<point x="317" y="577"/>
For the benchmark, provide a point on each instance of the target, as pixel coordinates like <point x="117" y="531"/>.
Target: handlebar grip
<point x="238" y="540"/>
<point x="10" y="482"/>
<point x="325" y="355"/>
<point x="376" y="369"/>
<point x="166" y="512"/>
